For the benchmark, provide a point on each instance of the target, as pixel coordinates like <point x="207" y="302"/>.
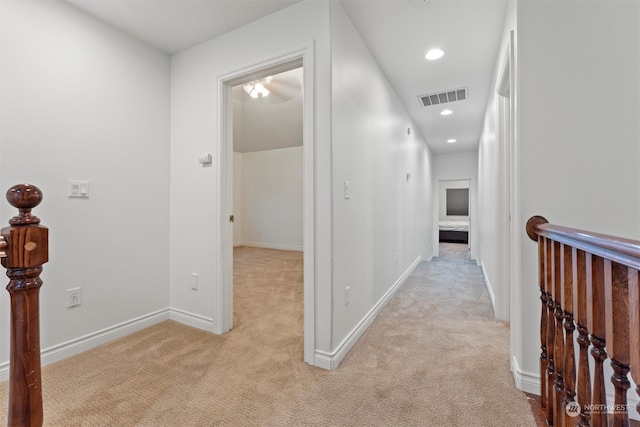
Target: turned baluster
<point x="551" y="334"/>
<point x="543" y="325"/>
<point x="580" y="313"/>
<point x="634" y="328"/>
<point x="569" y="370"/>
<point x="558" y="356"/>
<point x="589" y="282"/>
<point x="546" y="321"/>
<point x="617" y="320"/>
<point x="596" y="324"/>
<point x="26" y="249"/>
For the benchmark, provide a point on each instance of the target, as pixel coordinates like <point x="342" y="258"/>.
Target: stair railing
<point x="24" y="247"/>
<point x="589" y="283"/>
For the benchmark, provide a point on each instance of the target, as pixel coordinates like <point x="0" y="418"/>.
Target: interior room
<point x="455" y="215"/>
<point x="267" y="208"/>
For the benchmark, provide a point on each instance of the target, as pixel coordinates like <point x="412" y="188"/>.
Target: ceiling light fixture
<point x="434" y="54"/>
<point x="446" y="112"/>
<point x="451" y="141"/>
<point x="256" y="88"/>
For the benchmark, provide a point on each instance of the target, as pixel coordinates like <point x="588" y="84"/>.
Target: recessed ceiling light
<point x="451" y="141"/>
<point x="446" y="112"/>
<point x="434" y="54"/>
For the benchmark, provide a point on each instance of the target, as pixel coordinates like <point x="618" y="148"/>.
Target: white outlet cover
<point x="74" y="297"/>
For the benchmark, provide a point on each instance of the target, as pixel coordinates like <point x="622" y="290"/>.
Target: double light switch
<point x="79" y="189"/>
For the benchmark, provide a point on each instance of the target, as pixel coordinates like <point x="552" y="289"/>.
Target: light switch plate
<point x="79" y="189"/>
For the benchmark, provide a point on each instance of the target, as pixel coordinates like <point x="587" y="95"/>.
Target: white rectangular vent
<point x="443" y="97"/>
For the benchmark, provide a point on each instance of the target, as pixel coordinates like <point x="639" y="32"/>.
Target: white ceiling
<point x="176" y="25"/>
<point x="398" y="33"/>
<point x="271" y="122"/>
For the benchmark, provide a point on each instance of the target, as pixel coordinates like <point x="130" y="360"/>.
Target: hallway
<point x="435" y="356"/>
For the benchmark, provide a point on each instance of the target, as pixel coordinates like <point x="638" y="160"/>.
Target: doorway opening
<point x="267" y="208"/>
<point x="454" y="224"/>
<point x="246" y="152"/>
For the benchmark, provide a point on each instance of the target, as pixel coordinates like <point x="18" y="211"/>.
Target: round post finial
<point x="24" y="197"/>
<point x="532" y="224"/>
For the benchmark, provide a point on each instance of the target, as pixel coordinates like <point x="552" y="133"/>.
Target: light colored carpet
<point x="434" y="357"/>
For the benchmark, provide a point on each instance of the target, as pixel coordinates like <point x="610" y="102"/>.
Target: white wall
<point x="384" y="227"/>
<point x="271" y="199"/>
<point x="451" y="167"/>
<point x="96" y="102"/>
<point x="578" y="155"/>
<point x="194" y="130"/>
<point x="237" y="198"/>
<point x="79" y="100"/>
<point x="377" y="235"/>
<point x="82" y="101"/>
<point x="493" y="184"/>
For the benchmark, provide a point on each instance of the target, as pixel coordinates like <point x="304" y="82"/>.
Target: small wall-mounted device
<point x="78" y="189"/>
<point x="206" y="160"/>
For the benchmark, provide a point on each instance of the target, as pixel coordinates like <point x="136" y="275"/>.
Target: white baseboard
<point x="94" y="339"/>
<point x="525" y="381"/>
<point x="331" y="360"/>
<point x="270" y="246"/>
<point x="492" y="296"/>
<point x="78" y="345"/>
<point x="190" y="319"/>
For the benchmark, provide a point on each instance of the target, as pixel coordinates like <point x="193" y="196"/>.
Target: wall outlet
<point x="74" y="297"/>
<point x="347" y="295"/>
<point x="194" y="281"/>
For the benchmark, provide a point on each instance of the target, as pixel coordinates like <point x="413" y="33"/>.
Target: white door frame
<point x="223" y="285"/>
<point x="506" y="132"/>
<point x="471" y="234"/>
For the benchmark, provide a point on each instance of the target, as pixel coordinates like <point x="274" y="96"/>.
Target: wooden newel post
<point x="24" y="248"/>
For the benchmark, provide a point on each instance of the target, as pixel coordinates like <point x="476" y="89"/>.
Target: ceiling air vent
<point x="443" y="97"/>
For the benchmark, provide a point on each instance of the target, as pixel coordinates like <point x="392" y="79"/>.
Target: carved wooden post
<point x="634" y="327"/>
<point x="558" y="357"/>
<point x="544" y="358"/>
<point x="616" y="283"/>
<point x="568" y="284"/>
<point x="580" y="306"/>
<point x="26" y="249"/>
<point x="545" y="398"/>
<point x="596" y="324"/>
<point x="551" y="335"/>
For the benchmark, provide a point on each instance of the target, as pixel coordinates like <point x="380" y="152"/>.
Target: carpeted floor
<point x="434" y="357"/>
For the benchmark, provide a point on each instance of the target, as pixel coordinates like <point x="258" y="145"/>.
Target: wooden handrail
<point x="589" y="283"/>
<point x="603" y="245"/>
<point x="24" y="248"/>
